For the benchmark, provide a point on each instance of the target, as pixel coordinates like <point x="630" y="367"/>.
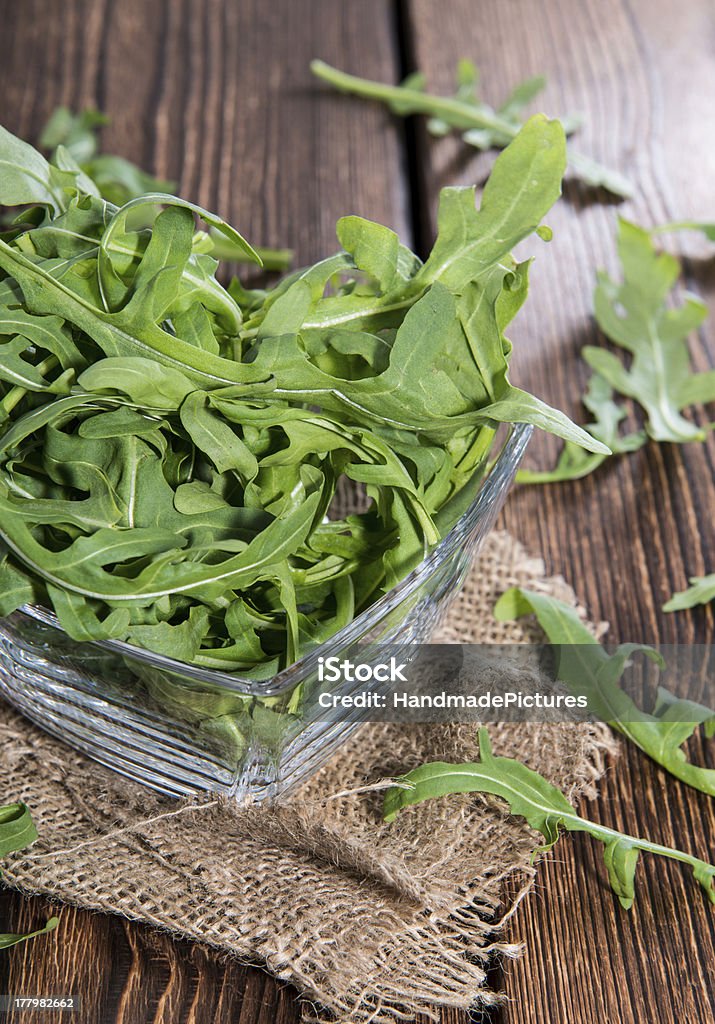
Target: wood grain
<point x="630" y="535"/>
<point x="216" y="94"/>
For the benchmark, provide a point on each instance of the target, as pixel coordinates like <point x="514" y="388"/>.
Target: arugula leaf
<point x="151" y="199"/>
<point x="16" y="832"/>
<point x="27" y="178"/>
<point x="519" y="193"/>
<point x="374" y="248"/>
<point x="575" y="462"/>
<point x="8" y="939"/>
<point x="17" y="829"/>
<point x="216" y="244"/>
<point x="635" y="315"/>
<point x="588" y="670"/>
<point x="76" y="132"/>
<point x="544" y="807"/>
<point x="706" y="228"/>
<point x="700" y="591"/>
<point x="15" y="588"/>
<point x="170" y="449"/>
<point x="479" y="124"/>
<point x="119" y="180"/>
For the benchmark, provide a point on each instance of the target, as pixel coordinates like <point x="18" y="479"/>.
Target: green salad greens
<point x="700" y="591"/>
<point x="638" y="315"/>
<point x="172" y="449"/>
<point x="545" y="809"/>
<point x="479" y="124"/>
<point x="635" y="314"/>
<point x="574" y="462"/>
<point x="589" y="670"/>
<point x="17" y="830"/>
<point x="119" y="180"/>
<point x="705" y="227"/>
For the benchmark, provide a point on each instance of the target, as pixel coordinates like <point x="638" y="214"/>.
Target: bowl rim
<point x="502" y="469"/>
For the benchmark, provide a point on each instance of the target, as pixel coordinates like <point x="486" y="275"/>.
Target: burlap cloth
<point x="371" y="922"/>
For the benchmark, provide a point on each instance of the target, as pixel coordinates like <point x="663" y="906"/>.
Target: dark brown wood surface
<point x="216" y="94"/>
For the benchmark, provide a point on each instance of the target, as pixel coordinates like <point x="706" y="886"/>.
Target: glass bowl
<point x="184" y="730"/>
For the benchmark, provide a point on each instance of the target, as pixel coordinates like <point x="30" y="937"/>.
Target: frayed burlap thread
<point x="371" y="922"/>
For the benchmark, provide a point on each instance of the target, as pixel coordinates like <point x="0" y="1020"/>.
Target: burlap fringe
<point x="372" y="923"/>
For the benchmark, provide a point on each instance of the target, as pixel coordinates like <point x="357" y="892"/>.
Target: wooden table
<point x="217" y="94"/>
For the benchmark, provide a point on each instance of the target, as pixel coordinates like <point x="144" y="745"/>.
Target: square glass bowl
<point x="184" y="730"/>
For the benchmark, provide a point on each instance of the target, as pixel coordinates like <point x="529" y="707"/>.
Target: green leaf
<point x="79" y="620"/>
<point x="213" y="436"/>
<point x="150" y="199"/>
<point x="700" y="591"/>
<point x="373" y="247"/>
<point x="522" y="95"/>
<point x="16" y="828"/>
<point x="156" y="283"/>
<point x="27" y="178"/>
<point x="181" y="640"/>
<point x="481" y="126"/>
<point x="524" y="184"/>
<point x="218" y="245"/>
<point x="544" y="808"/>
<point x="77" y="132"/>
<point x="706" y="228"/>
<point x="595" y="174"/>
<point x="520" y="407"/>
<point x="43" y="332"/>
<point x="15" y="588"/>
<point x="575" y="462"/>
<point x="588" y="670"/>
<point x="636" y="315"/>
<point x="17" y="831"/>
<point x="144" y="381"/>
<point x="10" y="939"/>
<point x="190" y="469"/>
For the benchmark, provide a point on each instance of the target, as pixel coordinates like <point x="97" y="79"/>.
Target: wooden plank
<point x="170" y="68"/>
<point x="218" y="96"/>
<point x="642" y="73"/>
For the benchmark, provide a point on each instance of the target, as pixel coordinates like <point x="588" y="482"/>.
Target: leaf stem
<point x="457" y="113"/>
<point x="575" y="823"/>
<point x="675" y="225"/>
<point x="16" y="394"/>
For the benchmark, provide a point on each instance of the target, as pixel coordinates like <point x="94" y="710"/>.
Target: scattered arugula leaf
<point x="588" y="670"/>
<point x="16" y="832"/>
<point x="466" y="112"/>
<point x="706" y="228"/>
<point x="635" y="315"/>
<point x="700" y="591"/>
<point x="17" y="829"/>
<point x="171" y="447"/>
<point x="545" y="809"/>
<point x="574" y="462"/>
<point x="8" y="939"/>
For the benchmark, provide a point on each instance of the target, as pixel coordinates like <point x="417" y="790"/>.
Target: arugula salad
<point x="171" y="447"/>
